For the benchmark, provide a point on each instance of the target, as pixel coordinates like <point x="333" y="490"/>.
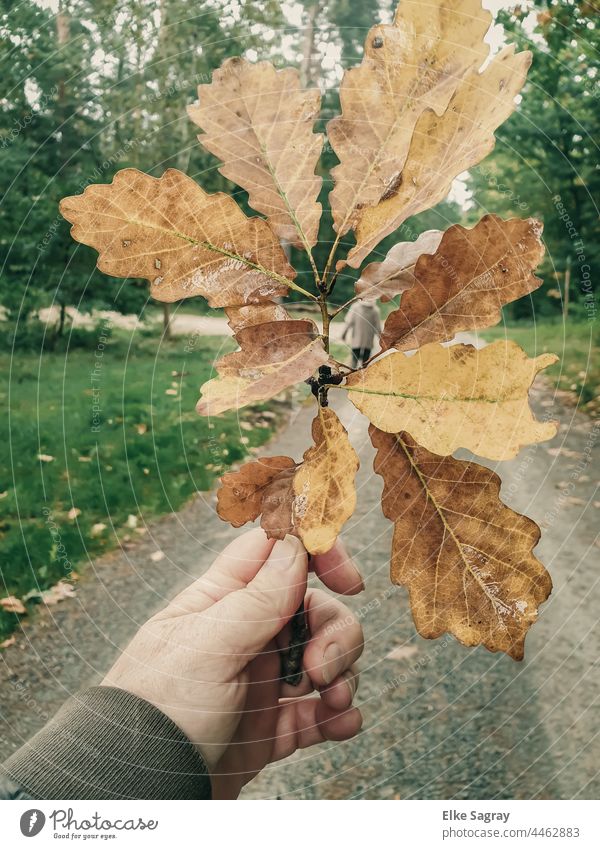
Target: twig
<point x="291" y="658"/>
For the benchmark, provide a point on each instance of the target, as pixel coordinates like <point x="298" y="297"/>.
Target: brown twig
<point x="291" y="658"/>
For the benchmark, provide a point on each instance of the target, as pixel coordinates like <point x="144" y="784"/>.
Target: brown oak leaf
<point x="408" y="67"/>
<point x="273" y="356"/>
<point x="466" y="282"/>
<point x="444" y="146"/>
<point x="185" y="241"/>
<point x="465" y="557"/>
<point x="240" y="497"/>
<point x="259" y="122"/>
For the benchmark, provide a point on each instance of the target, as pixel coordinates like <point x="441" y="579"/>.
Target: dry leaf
<point x="185" y="241"/>
<point x="455" y="397"/>
<point x="239" y="499"/>
<point x="408" y="67"/>
<point x="59" y="592"/>
<point x="464" y="556"/>
<point x="466" y="282"/>
<point x="74" y="512"/>
<point x="273" y="356"/>
<point x="247" y="316"/>
<point x="157" y="556"/>
<point x="98" y="528"/>
<point x="324" y="484"/>
<point x="395" y="274"/>
<point x="277" y="506"/>
<point x="8" y="642"/>
<point x="12" y="604"/>
<point x="45" y="458"/>
<point x="259" y="122"/>
<point x="443" y="147"/>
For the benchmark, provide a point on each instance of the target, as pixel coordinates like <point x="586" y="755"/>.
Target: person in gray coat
<point x="364" y="326"/>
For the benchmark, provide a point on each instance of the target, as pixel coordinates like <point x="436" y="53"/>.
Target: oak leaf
<point x="185" y="241"/>
<point x="251" y="314"/>
<point x="466" y="282"/>
<point x="444" y="146"/>
<point x="277" y="519"/>
<point x="455" y="397"/>
<point x="273" y="356"/>
<point x="324" y="484"/>
<point x="465" y="557"/>
<point x="410" y="66"/>
<point x="384" y="280"/>
<point x="259" y="122"/>
<point x="240" y="497"/>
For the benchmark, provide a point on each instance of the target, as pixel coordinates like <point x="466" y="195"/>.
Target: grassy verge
<point x="101" y="440"/>
<point x="576" y="344"/>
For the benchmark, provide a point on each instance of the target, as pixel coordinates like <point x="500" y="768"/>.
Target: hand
<point x="210" y="660"/>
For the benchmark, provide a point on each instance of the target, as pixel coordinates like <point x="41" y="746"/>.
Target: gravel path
<point x="441" y="721"/>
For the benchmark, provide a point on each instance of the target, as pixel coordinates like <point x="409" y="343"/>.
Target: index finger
<point x="337" y="570"/>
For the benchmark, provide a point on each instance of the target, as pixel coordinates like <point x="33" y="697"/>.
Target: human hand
<point x="210" y="660"/>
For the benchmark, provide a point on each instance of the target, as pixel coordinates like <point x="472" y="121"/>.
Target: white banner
<point x="298" y="825"/>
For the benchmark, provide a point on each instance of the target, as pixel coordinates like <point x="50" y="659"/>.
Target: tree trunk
<point x="167" y="321"/>
<point x="308" y="45"/>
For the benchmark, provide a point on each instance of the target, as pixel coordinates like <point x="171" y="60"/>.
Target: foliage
<point x="97" y="87"/>
<point x="546" y="161"/>
<point x="415" y="113"/>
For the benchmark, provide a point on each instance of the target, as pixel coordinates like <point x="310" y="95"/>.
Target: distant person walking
<point x="364" y="325"/>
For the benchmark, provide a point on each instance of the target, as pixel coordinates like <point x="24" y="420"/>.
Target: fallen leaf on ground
<point x="157" y="556"/>
<point x="12" y="604"/>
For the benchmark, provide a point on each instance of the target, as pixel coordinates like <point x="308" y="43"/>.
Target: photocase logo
<point x="32" y="822"/>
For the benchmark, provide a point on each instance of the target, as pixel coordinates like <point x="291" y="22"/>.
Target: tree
<point x="545" y="163"/>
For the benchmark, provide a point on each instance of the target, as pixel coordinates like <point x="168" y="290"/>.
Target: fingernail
<point x="332" y="663"/>
<point x="359" y="579"/>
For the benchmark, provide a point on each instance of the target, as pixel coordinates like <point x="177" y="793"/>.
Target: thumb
<point x="247" y="619"/>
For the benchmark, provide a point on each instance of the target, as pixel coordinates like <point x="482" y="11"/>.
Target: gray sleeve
<point x="105" y="743"/>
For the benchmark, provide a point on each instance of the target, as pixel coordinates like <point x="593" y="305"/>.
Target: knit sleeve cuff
<point x="106" y="743"/>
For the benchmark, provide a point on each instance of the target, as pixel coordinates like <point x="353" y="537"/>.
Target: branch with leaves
<point x="416" y="112"/>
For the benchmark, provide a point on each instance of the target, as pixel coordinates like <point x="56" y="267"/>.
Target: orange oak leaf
<point x="273" y="356"/>
<point x="444" y="146"/>
<point x="466" y="282"/>
<point x="465" y="557"/>
<point x="409" y="66"/>
<point x="395" y="274"/>
<point x="325" y="496"/>
<point x="185" y="241"/>
<point x="455" y="397"/>
<point x="259" y="122"/>
<point x="277" y="506"/>
<point x="239" y="499"/>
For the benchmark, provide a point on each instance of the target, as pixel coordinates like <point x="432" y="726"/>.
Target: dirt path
<point x="441" y="721"/>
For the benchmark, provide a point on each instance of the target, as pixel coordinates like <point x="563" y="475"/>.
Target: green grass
<point x="142" y="453"/>
<point x="576" y="344"/>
